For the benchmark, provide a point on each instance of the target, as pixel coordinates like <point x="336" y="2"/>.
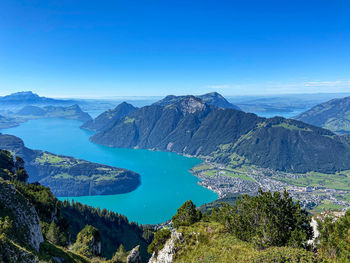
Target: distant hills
<point x="188" y="125"/>
<point x="67" y="176"/>
<point x="7" y="122"/>
<point x="108" y="118"/>
<point x="73" y="112"/>
<point x="333" y="115"/>
<point x="30" y="112"/>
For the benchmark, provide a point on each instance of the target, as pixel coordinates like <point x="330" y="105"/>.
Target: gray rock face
<point x="96" y="247"/>
<point x="166" y="255"/>
<point x="134" y="256"/>
<point x="24" y="214"/>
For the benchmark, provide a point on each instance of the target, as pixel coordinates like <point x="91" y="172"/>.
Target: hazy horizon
<point x="140" y="97"/>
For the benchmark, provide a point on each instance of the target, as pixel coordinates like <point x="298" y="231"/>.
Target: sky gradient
<point x="82" y="48"/>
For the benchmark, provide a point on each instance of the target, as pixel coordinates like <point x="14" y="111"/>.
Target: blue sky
<point x="83" y="48"/>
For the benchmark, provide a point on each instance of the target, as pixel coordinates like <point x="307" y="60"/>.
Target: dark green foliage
<point x="159" y="241"/>
<point x="266" y="220"/>
<point x="186" y="215"/>
<point x="6" y="165"/>
<point x="12" y="169"/>
<point x="335" y="237"/>
<point x="115" y="229"/>
<point x="148" y="234"/>
<point x="55" y="233"/>
<point x="6" y="225"/>
<point x="41" y="198"/>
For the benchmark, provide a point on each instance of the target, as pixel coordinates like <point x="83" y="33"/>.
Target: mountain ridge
<point x="190" y="126"/>
<point x="333" y="115"/>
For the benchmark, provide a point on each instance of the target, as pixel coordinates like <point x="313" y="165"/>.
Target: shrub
<point x="159" y="240"/>
<point x="266" y="220"/>
<point x="334" y="237"/>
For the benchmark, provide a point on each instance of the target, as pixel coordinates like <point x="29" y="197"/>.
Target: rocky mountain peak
<point x="191" y="104"/>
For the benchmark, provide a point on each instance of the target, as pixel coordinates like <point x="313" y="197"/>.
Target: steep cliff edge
<point x="17" y="213"/>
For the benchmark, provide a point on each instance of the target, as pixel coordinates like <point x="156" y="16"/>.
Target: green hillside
<point x="190" y="126"/>
<point x="333" y="115"/>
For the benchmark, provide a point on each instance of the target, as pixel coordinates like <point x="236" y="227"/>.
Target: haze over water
<point x="166" y="182"/>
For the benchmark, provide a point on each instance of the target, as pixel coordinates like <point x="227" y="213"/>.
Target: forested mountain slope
<point x="109" y="118"/>
<point x="36" y="227"/>
<point x="333" y="115"/>
<point x="228" y="136"/>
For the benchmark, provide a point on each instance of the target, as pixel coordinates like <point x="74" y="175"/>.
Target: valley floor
<point x="316" y="191"/>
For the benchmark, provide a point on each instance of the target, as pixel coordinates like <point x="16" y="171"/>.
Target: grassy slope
<point x="209" y="242"/>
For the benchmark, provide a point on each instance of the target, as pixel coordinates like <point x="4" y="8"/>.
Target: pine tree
<point x="186" y="215"/>
<point x="53" y="233"/>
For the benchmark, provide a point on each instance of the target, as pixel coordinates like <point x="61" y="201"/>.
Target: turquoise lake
<point x="166" y="182"/>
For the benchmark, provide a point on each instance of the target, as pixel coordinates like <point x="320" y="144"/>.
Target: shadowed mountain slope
<point x="228" y="136"/>
<point x="109" y="118"/>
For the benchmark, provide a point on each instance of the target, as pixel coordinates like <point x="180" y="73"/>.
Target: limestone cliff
<point x="23" y="233"/>
<point x="166" y="254"/>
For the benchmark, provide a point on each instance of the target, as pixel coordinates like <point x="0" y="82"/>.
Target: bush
<point x="334" y="237"/>
<point x="159" y="240"/>
<point x="266" y="220"/>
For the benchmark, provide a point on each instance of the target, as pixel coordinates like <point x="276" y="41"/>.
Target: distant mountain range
<point x="188" y="125"/>
<point x="333" y="115"/>
<point x="28" y="97"/>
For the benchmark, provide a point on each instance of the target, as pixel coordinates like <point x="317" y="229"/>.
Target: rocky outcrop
<point x="10" y="252"/>
<point x="166" y="254"/>
<point x="88" y="242"/>
<point x="134" y="256"/>
<point x="24" y="216"/>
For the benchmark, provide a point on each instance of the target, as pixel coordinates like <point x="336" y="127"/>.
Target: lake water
<point x="166" y="182"/>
